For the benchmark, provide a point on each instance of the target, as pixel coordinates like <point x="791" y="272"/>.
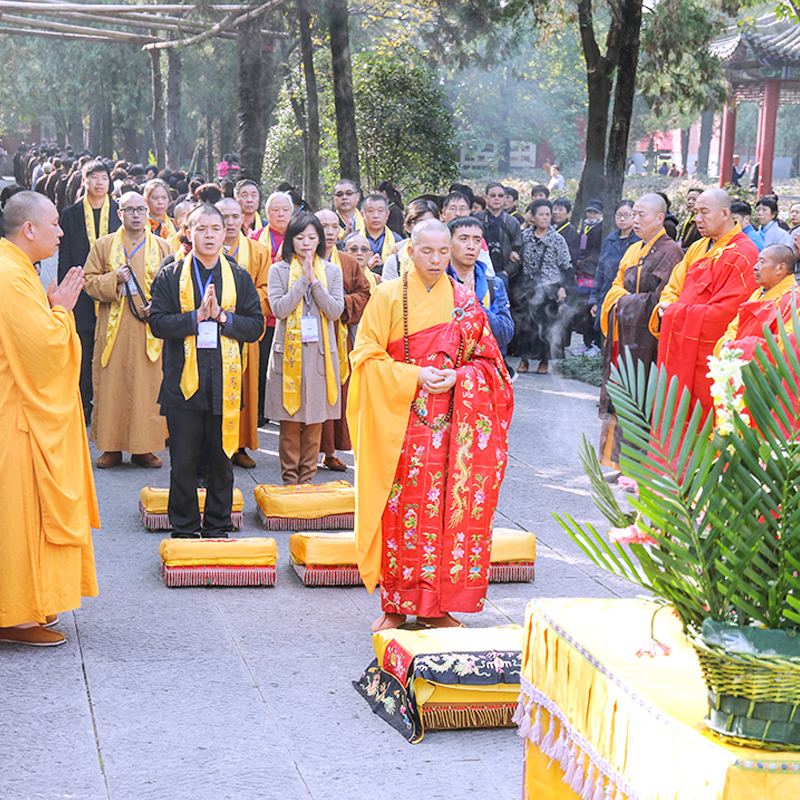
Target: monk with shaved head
<point x="643" y="273"/>
<point x="703" y="295"/>
<point x="49" y="505"/>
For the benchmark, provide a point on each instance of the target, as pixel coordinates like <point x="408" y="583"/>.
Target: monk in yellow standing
<point x="255" y="258"/>
<point x="49" y="503"/>
<point x="127" y="357"/>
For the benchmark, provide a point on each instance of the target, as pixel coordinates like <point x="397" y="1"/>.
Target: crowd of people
<point x="183" y="314"/>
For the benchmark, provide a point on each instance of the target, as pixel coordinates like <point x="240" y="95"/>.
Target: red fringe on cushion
<point x="327" y="575"/>
<point x="453" y="717"/>
<point x="518" y="571"/>
<point x="332" y="522"/>
<point x="160" y="522"/>
<point x="218" y="576"/>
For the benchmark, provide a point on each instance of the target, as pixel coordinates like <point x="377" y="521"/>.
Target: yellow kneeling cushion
<point x="509" y="546"/>
<point x="156" y="501"/>
<point x="329" y="549"/>
<point x="306" y="501"/>
<point x="255" y="551"/>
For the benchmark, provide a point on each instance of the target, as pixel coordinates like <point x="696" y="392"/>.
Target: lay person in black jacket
<point x="84" y="222"/>
<point x="204" y="306"/>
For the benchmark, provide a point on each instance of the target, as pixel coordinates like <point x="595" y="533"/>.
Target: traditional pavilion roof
<point x="767" y="49"/>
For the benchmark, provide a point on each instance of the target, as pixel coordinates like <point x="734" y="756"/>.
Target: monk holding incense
<point x="429" y="408"/>
<point x="49" y="503"/>
<point x="703" y="295"/>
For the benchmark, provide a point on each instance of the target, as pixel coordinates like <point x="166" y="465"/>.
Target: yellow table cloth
<point x="307" y="506"/>
<point x="218" y="562"/>
<point x="154" y="502"/>
<point x="624" y="727"/>
<point x="444" y="678"/>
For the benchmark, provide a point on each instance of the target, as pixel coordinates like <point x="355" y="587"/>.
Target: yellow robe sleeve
<point x="616" y="291"/>
<point x="728" y="336"/>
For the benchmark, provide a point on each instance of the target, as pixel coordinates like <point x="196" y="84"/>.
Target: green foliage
<point x="588" y="369"/>
<point x="405" y="133"/>
<point x="722" y="510"/>
<point x="283" y="155"/>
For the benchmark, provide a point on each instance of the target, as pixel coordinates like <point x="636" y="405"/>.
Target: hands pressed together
<point x="66" y="293"/>
<point x="436" y="381"/>
<point x="210" y="308"/>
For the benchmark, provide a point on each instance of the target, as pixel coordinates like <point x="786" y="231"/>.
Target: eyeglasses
<point x="344" y="194"/>
<point x="135" y="210"/>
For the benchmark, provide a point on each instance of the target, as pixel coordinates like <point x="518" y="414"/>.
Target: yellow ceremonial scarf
<point x="88" y="218"/>
<point x="359" y="226"/>
<point x="341" y="338"/>
<point x="117" y="259"/>
<point x="293" y="347"/>
<point x="231" y="359"/>
<point x="405" y="261"/>
<point x="165" y="228"/>
<point x="241" y="254"/>
<point x="389" y="242"/>
<point x="257" y="223"/>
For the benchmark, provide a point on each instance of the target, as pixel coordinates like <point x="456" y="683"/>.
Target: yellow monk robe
<point x="704" y="292"/>
<point x="255" y="258"/>
<point x="126" y="413"/>
<point x="762" y="308"/>
<point x="46" y="483"/>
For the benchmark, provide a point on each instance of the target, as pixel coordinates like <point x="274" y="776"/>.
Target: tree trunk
<point x="95" y="129"/>
<point x="75" y="132"/>
<point x="210" y="171"/>
<point x="624" y="93"/>
<point x="174" y="138"/>
<point x="703" y="151"/>
<point x="312" y="192"/>
<point x="685" y="148"/>
<point x="251" y="133"/>
<point x="107" y="145"/>
<point x="61" y="129"/>
<point x="157" y="118"/>
<point x="346" y="139"/>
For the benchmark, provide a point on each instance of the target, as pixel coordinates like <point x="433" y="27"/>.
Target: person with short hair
<point x="591" y="244"/>
<point x="562" y="208"/>
<point x="502" y="232"/>
<point x="512" y="198"/>
<point x="46" y="481"/>
<point x="127" y="357"/>
<point x="205" y="308"/>
<point x="388" y="190"/>
<point x="309" y="355"/>
<point x="248" y="195"/>
<point x="769" y="225"/>
<point x="455" y="205"/>
<point x="776" y="297"/>
<point x="742" y="213"/>
<point x="83" y="223"/>
<point x="689" y="231"/>
<point x="539" y="192"/>
<point x="382" y="241"/>
<point x="346" y="196"/>
<point x="703" y="295"/>
<point x="418" y="210"/>
<point x="556" y="183"/>
<point x="357" y="246"/>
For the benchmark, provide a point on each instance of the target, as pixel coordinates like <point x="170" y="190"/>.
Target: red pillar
<point x="772" y="94"/>
<point x="727" y="144"/>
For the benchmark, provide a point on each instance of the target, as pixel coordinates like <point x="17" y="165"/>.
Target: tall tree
<point x="250" y="114"/>
<point x="312" y="187"/>
<point x="174" y="138"/>
<point x="346" y="137"/>
<point x="157" y="115"/>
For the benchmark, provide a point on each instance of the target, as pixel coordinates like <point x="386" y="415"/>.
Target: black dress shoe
<point x="185" y="535"/>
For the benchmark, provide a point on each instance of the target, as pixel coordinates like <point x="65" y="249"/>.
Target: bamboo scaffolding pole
<point x="9" y="19"/>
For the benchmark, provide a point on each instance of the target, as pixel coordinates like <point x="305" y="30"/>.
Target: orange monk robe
<point x="379" y="400"/>
<point x="746" y="331"/>
<point x="49" y="503"/>
<point x="255" y="258"/>
<point x="704" y="292"/>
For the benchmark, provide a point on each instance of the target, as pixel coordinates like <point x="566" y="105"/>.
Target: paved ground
<point x="245" y="693"/>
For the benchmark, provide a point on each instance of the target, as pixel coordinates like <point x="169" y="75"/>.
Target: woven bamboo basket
<point x="753" y="700"/>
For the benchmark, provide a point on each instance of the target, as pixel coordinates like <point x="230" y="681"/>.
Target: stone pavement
<point x="245" y="693"/>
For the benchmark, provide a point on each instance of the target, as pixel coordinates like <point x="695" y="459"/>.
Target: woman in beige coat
<point x="303" y="378"/>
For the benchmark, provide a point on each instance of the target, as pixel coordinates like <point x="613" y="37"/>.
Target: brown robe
<point x="335" y="433"/>
<point x="259" y="262"/>
<point x="625" y="316"/>
<point x="126" y="414"/>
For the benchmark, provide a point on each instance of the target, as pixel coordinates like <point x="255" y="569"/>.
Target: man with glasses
<point x="345" y="203"/>
<point x="502" y="232"/>
<point x="93" y="216"/>
<point x="127" y="357"/>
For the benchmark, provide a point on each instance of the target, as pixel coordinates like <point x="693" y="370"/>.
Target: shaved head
<point x="326" y="216"/>
<point x="428" y="227"/>
<point x="229" y="202"/>
<point x="780" y="254"/>
<point x="25" y="207"/>
<point x="653" y="201"/>
<point x="130" y="197"/>
<point x="718" y="198"/>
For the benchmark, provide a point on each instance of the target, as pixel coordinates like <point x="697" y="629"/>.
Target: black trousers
<point x="193" y="434"/>
<point x="87" y="393"/>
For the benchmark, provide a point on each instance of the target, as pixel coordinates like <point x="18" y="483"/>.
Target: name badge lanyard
<point x="129" y="290"/>
<point x="199" y="279"/>
<point x="377" y="247"/>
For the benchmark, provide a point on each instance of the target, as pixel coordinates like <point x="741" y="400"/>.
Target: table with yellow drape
<point x="599" y="722"/>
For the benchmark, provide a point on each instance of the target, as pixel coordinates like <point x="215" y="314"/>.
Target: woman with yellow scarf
<point x="308" y="363"/>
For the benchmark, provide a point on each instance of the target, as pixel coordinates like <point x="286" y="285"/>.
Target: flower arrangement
<point x="714" y="530"/>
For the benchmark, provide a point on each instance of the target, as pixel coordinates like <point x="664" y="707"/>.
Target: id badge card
<point x="207" y="333"/>
<point x="132" y="287"/>
<point x="309" y="330"/>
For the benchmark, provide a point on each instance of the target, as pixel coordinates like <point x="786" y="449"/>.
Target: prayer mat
<point x="513" y="556"/>
<point x="218" y="562"/>
<point x="153" y="505"/>
<point x="444" y="678"/>
<point x="325" y="559"/>
<point x="306" y="506"/>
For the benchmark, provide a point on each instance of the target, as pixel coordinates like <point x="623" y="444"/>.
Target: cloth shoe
<point x="146" y="460"/>
<point x="49" y="621"/>
<point x="113" y="458"/>
<point x="37" y="636"/>
<point x="242" y="459"/>
<point x="334" y="463"/>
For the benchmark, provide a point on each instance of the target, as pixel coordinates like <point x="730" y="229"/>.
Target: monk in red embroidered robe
<point x="703" y="295"/>
<point x="777" y="288"/>
<point x="429" y="407"/>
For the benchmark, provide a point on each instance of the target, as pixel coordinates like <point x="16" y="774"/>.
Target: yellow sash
<point x="88" y="218"/>
<point x="257" y="223"/>
<point x="405" y="261"/>
<point x="231" y="360"/>
<point x="341" y="338"/>
<point x="293" y="347"/>
<point x="152" y="260"/>
<point x="389" y="242"/>
<point x="359" y="226"/>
